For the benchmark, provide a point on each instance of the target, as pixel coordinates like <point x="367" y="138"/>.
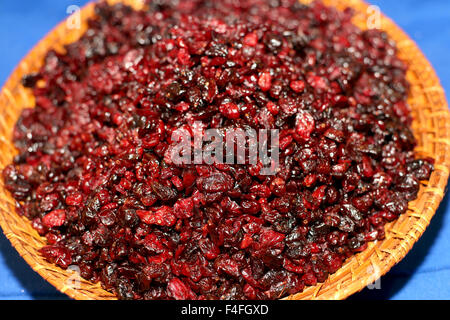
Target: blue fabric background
<point x="423" y="274"/>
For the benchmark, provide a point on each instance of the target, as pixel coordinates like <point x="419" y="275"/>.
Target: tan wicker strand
<point x="431" y="127"/>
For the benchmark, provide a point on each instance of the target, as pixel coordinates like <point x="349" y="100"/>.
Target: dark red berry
<point x="297" y="86"/>
<point x="55" y="218"/>
<point x="265" y="81"/>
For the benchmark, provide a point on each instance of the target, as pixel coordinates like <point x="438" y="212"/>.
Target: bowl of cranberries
<point x="116" y="170"/>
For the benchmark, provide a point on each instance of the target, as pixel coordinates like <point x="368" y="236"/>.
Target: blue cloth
<point x="423" y="274"/>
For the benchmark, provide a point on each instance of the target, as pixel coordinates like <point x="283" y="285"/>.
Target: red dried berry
<point x="230" y="111"/>
<point x="179" y="290"/>
<point x="298" y="86"/>
<point x="162" y="216"/>
<point x="304" y="124"/>
<point x="251" y="39"/>
<point x="265" y="81"/>
<point x="55" y="218"/>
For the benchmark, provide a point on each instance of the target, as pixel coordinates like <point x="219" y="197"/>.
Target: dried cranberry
<point x="55" y="218"/>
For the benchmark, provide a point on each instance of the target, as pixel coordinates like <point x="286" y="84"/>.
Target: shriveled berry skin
<point x="94" y="176"/>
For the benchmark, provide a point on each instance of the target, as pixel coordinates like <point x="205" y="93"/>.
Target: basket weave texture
<point x="431" y="127"/>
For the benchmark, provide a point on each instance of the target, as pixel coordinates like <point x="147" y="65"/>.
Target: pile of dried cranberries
<point x="93" y="174"/>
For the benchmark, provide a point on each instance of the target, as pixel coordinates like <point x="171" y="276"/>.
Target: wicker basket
<point x="431" y="127"/>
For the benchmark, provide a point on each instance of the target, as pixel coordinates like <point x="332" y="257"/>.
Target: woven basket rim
<point x="381" y="256"/>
